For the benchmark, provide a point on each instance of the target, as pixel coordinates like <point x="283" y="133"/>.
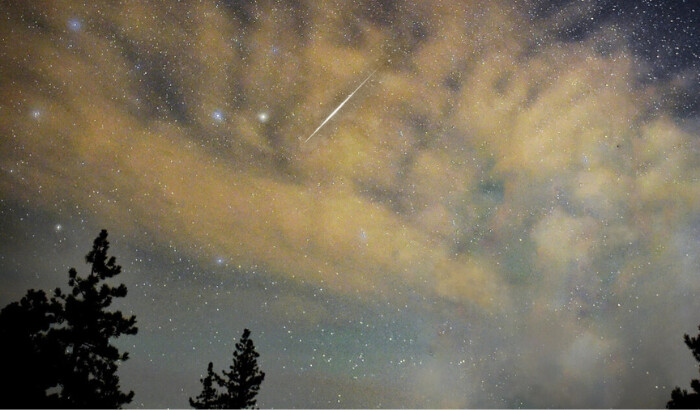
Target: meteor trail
<point x="340" y="106"/>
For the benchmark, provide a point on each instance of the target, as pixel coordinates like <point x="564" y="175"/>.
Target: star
<point x="217" y="116"/>
<point x="74" y="24"/>
<point x="263" y="117"/>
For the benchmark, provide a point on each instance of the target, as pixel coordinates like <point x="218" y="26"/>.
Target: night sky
<point x="507" y="213"/>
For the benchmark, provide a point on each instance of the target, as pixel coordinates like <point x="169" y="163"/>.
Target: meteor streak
<point x="340" y="106"/>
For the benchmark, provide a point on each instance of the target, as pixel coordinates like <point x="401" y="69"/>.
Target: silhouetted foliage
<point x="244" y="378"/>
<point x="209" y="397"/>
<point x="240" y="384"/>
<point x="681" y="399"/>
<point x="29" y="366"/>
<point x="58" y="351"/>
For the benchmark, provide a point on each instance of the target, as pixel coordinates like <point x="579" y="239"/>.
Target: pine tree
<point x="240" y="385"/>
<point x="89" y="328"/>
<point x="681" y="399"/>
<point x="29" y="366"/>
<point x="209" y="397"/>
<point x="244" y="378"/>
<point x="62" y="347"/>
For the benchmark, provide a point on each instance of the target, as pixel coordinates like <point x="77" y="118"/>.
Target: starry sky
<point x="506" y="214"/>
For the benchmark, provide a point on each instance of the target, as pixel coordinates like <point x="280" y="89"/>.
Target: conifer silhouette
<point x="681" y="399"/>
<point x="60" y="350"/>
<point x="240" y="384"/>
<point x="209" y="397"/>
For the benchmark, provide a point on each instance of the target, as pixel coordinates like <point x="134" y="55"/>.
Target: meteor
<point x="340" y="106"/>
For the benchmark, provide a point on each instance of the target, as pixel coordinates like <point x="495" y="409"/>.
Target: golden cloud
<point x="465" y="111"/>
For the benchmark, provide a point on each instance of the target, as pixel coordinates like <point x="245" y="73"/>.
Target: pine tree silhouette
<point x="209" y="397"/>
<point x="244" y="378"/>
<point x="30" y="365"/>
<point x="240" y="384"/>
<point x="61" y="348"/>
<point x="681" y="399"/>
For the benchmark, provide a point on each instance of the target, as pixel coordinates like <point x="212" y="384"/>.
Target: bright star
<point x="218" y="116"/>
<point x="263" y="117"/>
<point x="74" y="24"/>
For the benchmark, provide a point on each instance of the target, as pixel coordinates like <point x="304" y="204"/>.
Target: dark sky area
<point x="507" y="213"/>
